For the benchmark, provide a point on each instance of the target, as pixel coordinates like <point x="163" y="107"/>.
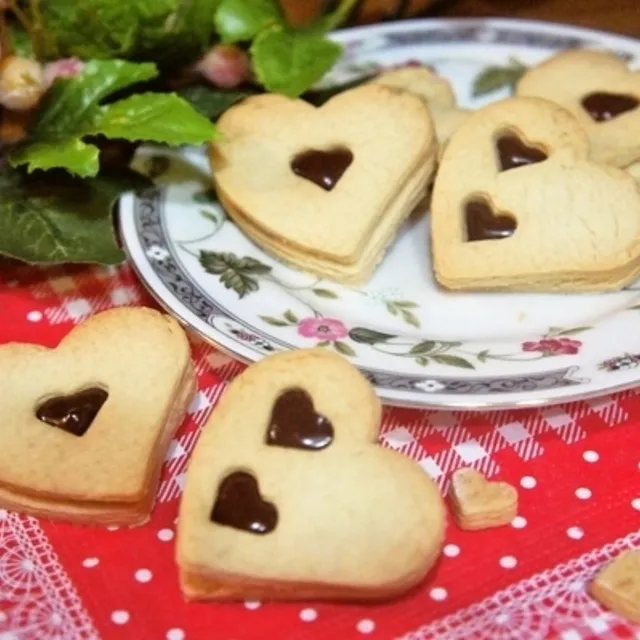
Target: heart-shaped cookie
<point x="478" y="503"/>
<point x="601" y="92"/>
<point x="617" y="586"/>
<point x="85" y="426"/>
<point x="518" y="205"/>
<point x="326" y="188"/>
<point x="277" y="518"/>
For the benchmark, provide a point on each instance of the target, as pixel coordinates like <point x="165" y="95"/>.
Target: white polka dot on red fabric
<point x="112" y="528"/>
<point x="438" y="594"/>
<point x="176" y="634"/>
<point x="635" y="503"/>
<point x="583" y="493"/>
<point x="575" y="533"/>
<point x="308" y="615"/>
<point x="366" y="626"/>
<point x="451" y="550"/>
<point x="165" y="535"/>
<point x="591" y="456"/>
<point x="508" y="562"/>
<point x="143" y="575"/>
<point x="528" y="482"/>
<point x="34" y="316"/>
<point x="120" y="616"/>
<point x="90" y="562"/>
<point x="519" y="522"/>
<point x="252" y="604"/>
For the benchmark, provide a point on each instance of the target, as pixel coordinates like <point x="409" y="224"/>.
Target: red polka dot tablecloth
<point x="576" y="466"/>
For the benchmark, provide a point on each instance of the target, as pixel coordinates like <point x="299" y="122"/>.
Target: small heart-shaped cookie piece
<point x="73" y="413"/>
<point x="480" y="504"/>
<point x="617" y="586"/>
<point x="240" y="505"/>
<point x="484" y="224"/>
<point x="601" y="92"/>
<point x="295" y="423"/>
<point x="323" y="168"/>
<point x="514" y="153"/>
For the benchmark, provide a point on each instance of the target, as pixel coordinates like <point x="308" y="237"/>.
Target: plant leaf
<point x="210" y="101"/>
<point x="275" y="322"/>
<point x="343" y="348"/>
<point x="426" y="346"/>
<point x="452" y="361"/>
<point x="50" y="218"/>
<point x="72" y="111"/>
<point x="290" y="62"/>
<point x="239" y="20"/>
<point x="325" y="293"/>
<point x="291" y="317"/>
<point x="369" y="336"/>
<point x="494" y="78"/>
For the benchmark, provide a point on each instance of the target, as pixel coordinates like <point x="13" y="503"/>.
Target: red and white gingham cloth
<point x="577" y="467"/>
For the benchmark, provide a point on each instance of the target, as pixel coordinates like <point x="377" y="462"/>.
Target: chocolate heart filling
<point x="514" y="153"/>
<point x="602" y="106"/>
<point x="294" y="423"/>
<point x="323" y="168"/>
<point x="483" y="224"/>
<point x="73" y="413"/>
<point x="239" y="505"/>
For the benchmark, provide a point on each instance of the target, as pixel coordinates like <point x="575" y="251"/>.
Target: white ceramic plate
<point x="419" y="345"/>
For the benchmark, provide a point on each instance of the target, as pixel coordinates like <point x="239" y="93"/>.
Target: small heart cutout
<point x="602" y="106"/>
<point x="483" y="224"/>
<point x="294" y="423"/>
<point x="324" y="168"/>
<point x="239" y="505"/>
<point x="73" y="413"/>
<point x="514" y="153"/>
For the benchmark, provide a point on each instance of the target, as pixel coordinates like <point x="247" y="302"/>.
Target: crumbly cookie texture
<point x="86" y="425"/>
<point x="289" y="496"/>
<point x="325" y="188"/>
<point x="477" y="503"/>
<point x="617" y="586"/>
<point x="518" y="204"/>
<point x="603" y="94"/>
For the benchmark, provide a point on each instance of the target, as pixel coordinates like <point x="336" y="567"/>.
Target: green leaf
<point x="572" y="332"/>
<point x="343" y="348"/>
<point x="291" y="317"/>
<point x="239" y="282"/>
<point x="318" y="97"/>
<point x="20" y="42"/>
<point x="290" y="62"/>
<point x="426" y="346"/>
<point x="72" y="111"/>
<point x="209" y="215"/>
<point x="482" y="356"/>
<point x="494" y="78"/>
<point x="274" y="322"/>
<point x="391" y="308"/>
<point x="337" y="17"/>
<point x="423" y="361"/>
<point x="369" y="336"/>
<point x="452" y="361"/>
<point x="325" y="293"/>
<point x="239" y="20"/>
<point x="324" y="343"/>
<point x="210" y="101"/>
<point x="406" y="304"/>
<point x="410" y="318"/>
<point x="49" y="218"/>
<point x="208" y="196"/>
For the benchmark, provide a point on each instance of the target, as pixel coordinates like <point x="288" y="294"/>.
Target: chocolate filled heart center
<point x="239" y="505"/>
<point x="483" y="224"/>
<point x="294" y="423"/>
<point x="73" y="413"/>
<point x="514" y="153"/>
<point x="602" y="106"/>
<point x="324" y="168"/>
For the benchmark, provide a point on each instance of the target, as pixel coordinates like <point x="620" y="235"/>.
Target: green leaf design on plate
<point x="325" y="293"/>
<point x="235" y="273"/>
<point x="558" y="331"/>
<point x="291" y="317"/>
<point x="494" y="78"/>
<point x="274" y="322"/>
<point x="209" y="215"/>
<point x="483" y="355"/>
<point x="207" y="196"/>
<point x="425" y="346"/>
<point x="369" y="336"/>
<point x="423" y="361"/>
<point x="452" y="361"/>
<point x="410" y="318"/>
<point x="406" y="304"/>
<point x="156" y="166"/>
<point x="343" y="348"/>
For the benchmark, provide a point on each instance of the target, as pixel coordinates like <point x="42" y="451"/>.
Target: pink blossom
<point x="225" y="66"/>
<point x="65" y="68"/>
<point x="322" y="328"/>
<point x="554" y="346"/>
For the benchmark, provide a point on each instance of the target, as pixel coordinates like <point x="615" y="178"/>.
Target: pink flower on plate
<point x="554" y="346"/>
<point x="65" y="68"/>
<point x="329" y="329"/>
